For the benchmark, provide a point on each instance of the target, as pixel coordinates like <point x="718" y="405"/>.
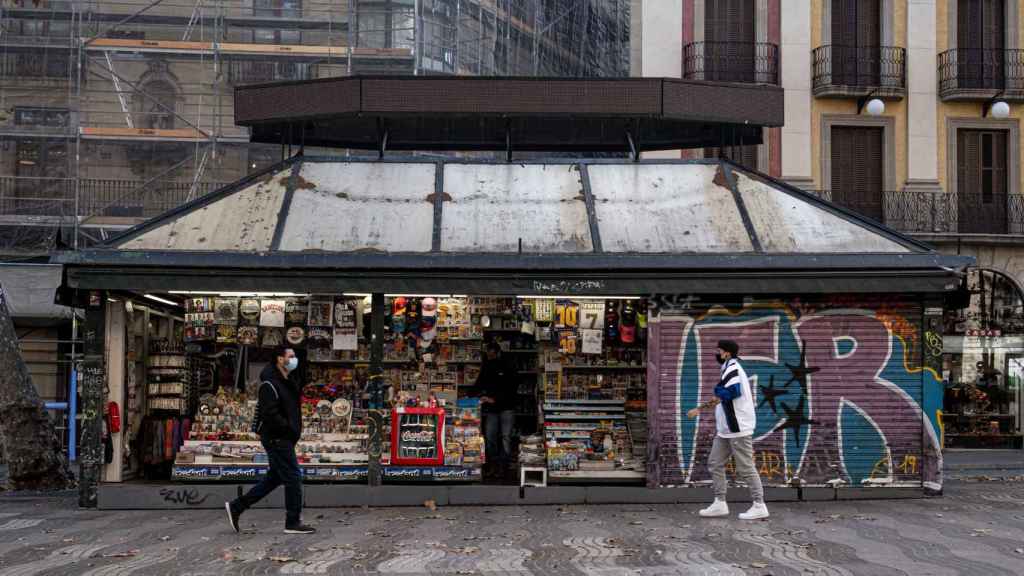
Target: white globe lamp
<point x="875" y="107"/>
<point x="1000" y="110"/>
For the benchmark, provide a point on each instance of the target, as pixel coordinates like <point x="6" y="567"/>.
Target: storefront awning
<point x="593" y="227"/>
<point x="29" y="291"/>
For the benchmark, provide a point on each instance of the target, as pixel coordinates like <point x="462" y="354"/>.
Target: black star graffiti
<point x="801" y="371"/>
<point x="795" y="418"/>
<point x="769" y="393"/>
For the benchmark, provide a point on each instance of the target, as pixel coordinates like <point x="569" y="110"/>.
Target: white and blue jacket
<point x="734" y="416"/>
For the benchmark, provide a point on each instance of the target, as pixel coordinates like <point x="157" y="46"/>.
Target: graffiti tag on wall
<point x="839" y="395"/>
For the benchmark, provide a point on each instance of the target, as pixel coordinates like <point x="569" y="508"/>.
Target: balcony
<point x="970" y="74"/>
<point x="748" y="62"/>
<point x="258" y="71"/>
<point x="936" y="212"/>
<point x="857" y="71"/>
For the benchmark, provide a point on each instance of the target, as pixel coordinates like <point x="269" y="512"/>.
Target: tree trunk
<point x="35" y="460"/>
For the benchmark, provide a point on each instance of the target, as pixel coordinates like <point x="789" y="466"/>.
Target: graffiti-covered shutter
<point x="837" y="386"/>
<point x="667" y="342"/>
<point x="866" y="367"/>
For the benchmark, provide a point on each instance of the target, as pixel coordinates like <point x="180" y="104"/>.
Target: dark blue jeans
<point x="284" y="469"/>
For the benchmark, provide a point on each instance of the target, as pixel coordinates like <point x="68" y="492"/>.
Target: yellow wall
<point x="831" y="106"/>
<point x="970" y="110"/>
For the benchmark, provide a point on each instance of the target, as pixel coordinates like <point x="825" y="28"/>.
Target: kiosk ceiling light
<point x="161" y="300"/>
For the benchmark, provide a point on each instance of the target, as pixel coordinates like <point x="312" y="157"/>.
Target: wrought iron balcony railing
<point x="848" y="71"/>
<point x="967" y="73"/>
<point x="936" y="212"/>
<point x="750" y="62"/>
<point x="257" y="71"/>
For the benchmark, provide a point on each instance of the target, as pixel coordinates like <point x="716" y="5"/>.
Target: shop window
<point x="983" y="364"/>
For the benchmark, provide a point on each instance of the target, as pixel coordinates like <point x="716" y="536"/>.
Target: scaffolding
<point x="113" y="111"/>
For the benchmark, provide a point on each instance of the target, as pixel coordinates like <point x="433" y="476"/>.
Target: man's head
<point x="727" y="349"/>
<point x="284" y="359"/>
<point x="493" y="350"/>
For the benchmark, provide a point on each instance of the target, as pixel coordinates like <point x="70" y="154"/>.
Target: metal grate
<point x="752" y="62"/>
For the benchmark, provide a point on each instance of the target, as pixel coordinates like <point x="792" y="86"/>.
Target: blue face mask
<point x="291" y="364"/>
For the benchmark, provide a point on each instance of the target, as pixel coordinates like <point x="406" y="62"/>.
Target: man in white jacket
<point x="735" y="420"/>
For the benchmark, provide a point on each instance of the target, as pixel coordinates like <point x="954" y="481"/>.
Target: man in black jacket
<point x="497" y="388"/>
<point x="279" y="424"/>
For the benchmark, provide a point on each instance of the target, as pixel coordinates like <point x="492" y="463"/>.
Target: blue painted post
<point x="73" y="416"/>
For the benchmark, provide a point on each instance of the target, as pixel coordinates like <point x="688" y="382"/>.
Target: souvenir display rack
<point x="594" y="390"/>
<point x="431" y="350"/>
<point x="581" y="369"/>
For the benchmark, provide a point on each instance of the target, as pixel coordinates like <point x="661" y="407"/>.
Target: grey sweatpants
<point x="742" y="451"/>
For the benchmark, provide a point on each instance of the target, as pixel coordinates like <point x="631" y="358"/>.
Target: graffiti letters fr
<point x="840" y="398"/>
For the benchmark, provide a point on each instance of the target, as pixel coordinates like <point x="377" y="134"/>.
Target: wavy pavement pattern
<point x="57" y="559"/>
<point x="789" y="554"/>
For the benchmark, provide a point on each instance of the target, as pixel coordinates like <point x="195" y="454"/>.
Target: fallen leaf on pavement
<point x="431" y="505"/>
<point x="127" y="554"/>
<point x="281" y="559"/>
<point x="758" y="564"/>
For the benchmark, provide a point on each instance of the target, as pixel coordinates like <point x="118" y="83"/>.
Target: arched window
<point x="157" y="105"/>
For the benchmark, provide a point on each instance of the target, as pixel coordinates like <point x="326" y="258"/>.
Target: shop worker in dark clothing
<point x="279" y="423"/>
<point x="497" y="389"/>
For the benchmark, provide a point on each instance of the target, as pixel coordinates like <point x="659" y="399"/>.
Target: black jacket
<point x="281" y="413"/>
<point x="498" y="380"/>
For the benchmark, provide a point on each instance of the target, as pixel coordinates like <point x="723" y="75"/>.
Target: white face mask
<point x="291" y="364"/>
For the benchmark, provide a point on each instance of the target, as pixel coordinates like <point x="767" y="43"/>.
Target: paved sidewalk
<point x="977" y="528"/>
<point x="956" y="462"/>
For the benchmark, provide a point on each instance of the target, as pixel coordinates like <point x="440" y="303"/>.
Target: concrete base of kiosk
<point x="153" y="496"/>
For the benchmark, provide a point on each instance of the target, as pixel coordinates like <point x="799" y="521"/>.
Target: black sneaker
<point x="299" y="529"/>
<point x="233" y="515"/>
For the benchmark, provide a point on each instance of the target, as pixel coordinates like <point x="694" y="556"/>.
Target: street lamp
<point x="875" y="107"/>
<point x="1000" y="110"/>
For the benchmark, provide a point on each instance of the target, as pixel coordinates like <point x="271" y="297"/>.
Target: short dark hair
<point x="282" y="351"/>
<point x="729" y="346"/>
<point x="493" y="346"/>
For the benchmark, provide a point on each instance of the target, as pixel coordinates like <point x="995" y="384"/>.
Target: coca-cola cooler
<point x="417" y="436"/>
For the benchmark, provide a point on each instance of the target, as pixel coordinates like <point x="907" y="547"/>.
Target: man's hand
<point x="693" y="412"/>
<point x="486" y="400"/>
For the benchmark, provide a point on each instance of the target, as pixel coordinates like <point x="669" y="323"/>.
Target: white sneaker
<point x="718" y="508"/>
<point x="756" y="512"/>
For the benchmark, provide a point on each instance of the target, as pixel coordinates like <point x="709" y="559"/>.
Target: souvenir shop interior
<point x="983" y="365"/>
<point x="192" y="366"/>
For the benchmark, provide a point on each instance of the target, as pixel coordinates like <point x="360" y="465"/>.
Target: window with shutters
<point x="856" y="42"/>
<point x="730" y="48"/>
<point x="981" y="30"/>
<point x="745" y="156"/>
<point x="276" y="9"/>
<point x="982" y="181"/>
<point x="857" y="169"/>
